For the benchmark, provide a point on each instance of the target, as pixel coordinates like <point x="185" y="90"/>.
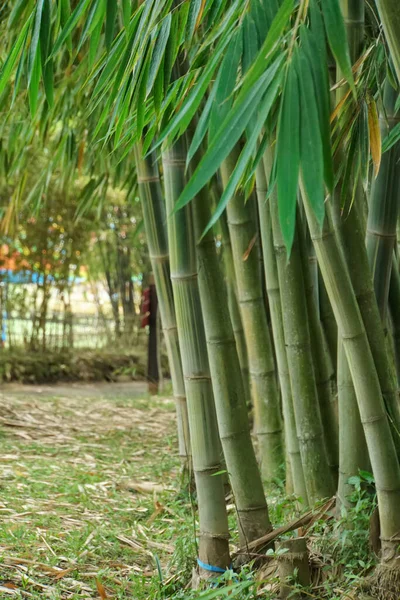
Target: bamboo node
<point x="152" y="179"/>
<point x="252" y="509"/>
<point x="174" y="162"/>
<point x="373" y="419"/>
<point x="322" y="236"/>
<point x="389" y="236"/>
<point x="184" y="277"/>
<point x="225" y="342"/>
<point x="214" y="536"/>
<point x="249" y="300"/>
<point x="159" y="256"/>
<point x="353" y="336"/>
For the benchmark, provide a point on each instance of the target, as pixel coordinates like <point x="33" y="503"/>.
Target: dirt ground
<point x="88" y="480"/>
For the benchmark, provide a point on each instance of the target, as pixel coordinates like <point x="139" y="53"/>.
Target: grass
<point x="92" y="506"/>
<point x="89" y="496"/>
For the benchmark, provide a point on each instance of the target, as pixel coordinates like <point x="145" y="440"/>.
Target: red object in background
<point x="145" y="308"/>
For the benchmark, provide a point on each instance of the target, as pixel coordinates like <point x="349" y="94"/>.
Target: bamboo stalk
<point x="394" y="302"/>
<point x="274" y="298"/>
<point x="370" y="401"/>
<point x="390" y="17"/>
<point x="233" y="304"/>
<point x="352" y="445"/>
<point x="154" y="218"/>
<point x="383" y="207"/>
<point x="352" y="235"/>
<point x="267" y="418"/>
<point x="353" y="448"/>
<point x="324" y="373"/>
<point x="318" y="479"/>
<point x="229" y="392"/>
<point x="214" y="534"/>
<point x="328" y="321"/>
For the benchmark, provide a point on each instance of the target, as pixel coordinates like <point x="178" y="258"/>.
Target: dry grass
<point x="86" y="501"/>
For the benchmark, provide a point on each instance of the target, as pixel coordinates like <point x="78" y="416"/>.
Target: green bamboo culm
<point x="229" y="391"/>
<point x="214" y="534"/>
<point x="323" y="370"/>
<point x="154" y="217"/>
<point x="394" y="305"/>
<point x="351" y="232"/>
<point x="382" y="451"/>
<point x="318" y="476"/>
<point x="353" y="452"/>
<point x="390" y="18"/>
<point x="233" y="304"/>
<point x="353" y="447"/>
<point x="264" y="389"/>
<point x="383" y="207"/>
<point x="328" y="321"/>
<point x="271" y="276"/>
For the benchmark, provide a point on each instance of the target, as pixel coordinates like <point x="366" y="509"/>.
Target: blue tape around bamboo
<point x="211" y="568"/>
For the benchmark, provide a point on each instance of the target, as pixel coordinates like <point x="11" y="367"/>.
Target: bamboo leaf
<point x="35" y="39"/>
<point x="95" y="16"/>
<point x="247" y="152"/>
<point x="364" y="145"/>
<point x="274" y="36"/>
<point x="288" y="157"/>
<point x="45" y="41"/>
<point x="13" y="56"/>
<point x="225" y="83"/>
<point x="194" y="12"/>
<point x="201" y="127"/>
<point x="251" y="43"/>
<point x="187" y="111"/>
<point x="126" y="12"/>
<point x="158" y="52"/>
<point x="311" y="151"/>
<point x="392" y="138"/>
<point x="337" y="38"/>
<point x="17" y="11"/>
<point x="110" y="22"/>
<point x="374" y="134"/>
<point x="321" y="87"/>
<point x="34" y="84"/>
<point x="70" y="24"/>
<point x="227" y="135"/>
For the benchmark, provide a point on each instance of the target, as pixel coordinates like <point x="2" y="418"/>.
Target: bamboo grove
<point x="263" y="139"/>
